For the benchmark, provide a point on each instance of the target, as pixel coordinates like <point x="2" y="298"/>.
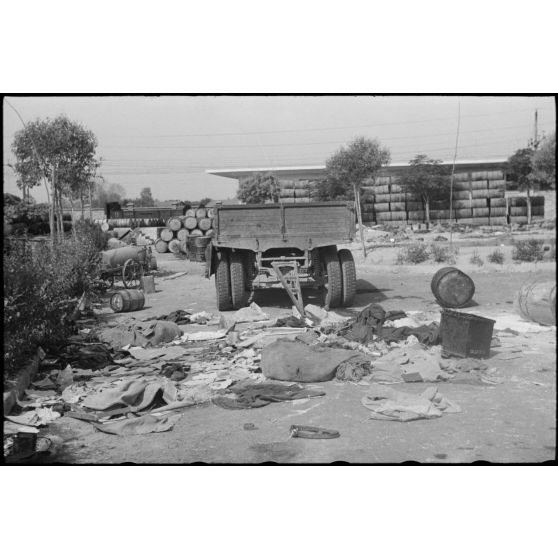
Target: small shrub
<point x="530" y="250"/>
<point x="412" y="254"/>
<point x="496" y="257"/>
<point x="476" y="259"/>
<point x="442" y="254"/>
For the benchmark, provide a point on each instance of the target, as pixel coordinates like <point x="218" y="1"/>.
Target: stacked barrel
<point x="517" y="208"/>
<point x="296" y="191"/>
<point x="176" y="235"/>
<point x="479" y="198"/>
<point x="384" y="201"/>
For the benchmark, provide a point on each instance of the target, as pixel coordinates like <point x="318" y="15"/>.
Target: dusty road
<point x="511" y="422"/>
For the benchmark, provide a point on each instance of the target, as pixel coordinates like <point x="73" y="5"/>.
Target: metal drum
<point x="452" y="288"/>
<point x="536" y="301"/>
<point x="127" y="300"/>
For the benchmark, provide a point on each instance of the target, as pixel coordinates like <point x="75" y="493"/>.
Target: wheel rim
<point x="131" y="274"/>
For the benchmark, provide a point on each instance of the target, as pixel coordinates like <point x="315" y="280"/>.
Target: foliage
<point x="427" y="178"/>
<point x="259" y="189"/>
<point x="530" y="250"/>
<point x="476" y="259"/>
<point x="41" y="285"/>
<point x="520" y="167"/>
<point x="543" y="163"/>
<point x="350" y="166"/>
<point x="25" y="218"/>
<point x="442" y="254"/>
<point x="61" y="144"/>
<point x="204" y="202"/>
<point x="496" y="257"/>
<point x="412" y="254"/>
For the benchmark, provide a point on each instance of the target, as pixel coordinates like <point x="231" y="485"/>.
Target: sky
<point x="168" y="143"/>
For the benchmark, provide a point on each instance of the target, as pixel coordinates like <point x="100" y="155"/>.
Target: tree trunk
<point x="359" y="218"/>
<point x="427" y="211"/>
<point x="51" y="206"/>
<point x="528" y="207"/>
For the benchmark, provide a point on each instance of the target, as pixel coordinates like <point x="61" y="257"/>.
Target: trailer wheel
<point x="348" y="274"/>
<point x="237" y="280"/>
<point x="334" y="280"/>
<point x="223" y="282"/>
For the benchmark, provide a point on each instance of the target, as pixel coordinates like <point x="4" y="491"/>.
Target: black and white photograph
<point x="289" y="279"/>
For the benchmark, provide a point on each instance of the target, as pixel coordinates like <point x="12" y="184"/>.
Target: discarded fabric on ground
<point x="294" y="361"/>
<point x="389" y="404"/>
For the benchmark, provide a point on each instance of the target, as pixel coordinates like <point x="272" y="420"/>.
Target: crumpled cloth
<point x="389" y="404"/>
<point x="179" y="317"/>
<point x="140" y="425"/>
<point x="353" y="370"/>
<point x="88" y="356"/>
<point x="370" y="322"/>
<point x="150" y="336"/>
<point x="295" y="361"/>
<point x="138" y="394"/>
<point x="249" y="395"/>
<point x="426" y="334"/>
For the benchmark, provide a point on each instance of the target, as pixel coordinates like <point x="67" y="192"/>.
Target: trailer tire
<point x="237" y="280"/>
<point x="334" y="279"/>
<point x="348" y="275"/>
<point x="223" y="282"/>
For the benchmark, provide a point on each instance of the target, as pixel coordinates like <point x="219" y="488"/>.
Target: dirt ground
<point x="511" y="422"/>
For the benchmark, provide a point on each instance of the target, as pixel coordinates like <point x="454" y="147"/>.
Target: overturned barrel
<point x="161" y="246"/>
<point x="452" y="288"/>
<point x="536" y="301"/>
<point x="119" y="256"/>
<point x="127" y="300"/>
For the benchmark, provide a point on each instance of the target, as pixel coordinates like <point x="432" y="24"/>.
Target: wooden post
<point x="359" y="218"/>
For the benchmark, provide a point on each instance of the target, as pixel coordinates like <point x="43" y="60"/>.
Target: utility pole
<point x="536" y="142"/>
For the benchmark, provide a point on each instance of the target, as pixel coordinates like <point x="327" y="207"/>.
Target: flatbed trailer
<point x="291" y="244"/>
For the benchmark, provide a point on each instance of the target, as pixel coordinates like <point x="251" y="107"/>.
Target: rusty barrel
<point x="190" y="222"/>
<point x="452" y="288"/>
<point x="161" y="246"/>
<point x="128" y="300"/>
<point x="201" y="212"/>
<point x="536" y="301"/>
<point x="182" y="234"/>
<point x="174" y="246"/>
<point x="167" y="235"/>
<point x="174" y="224"/>
<point x="204" y="224"/>
<point x="118" y="256"/>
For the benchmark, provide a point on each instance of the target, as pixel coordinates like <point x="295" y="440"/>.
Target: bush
<point x="442" y="254"/>
<point x="529" y="250"/>
<point x="41" y="285"/>
<point x="476" y="259"/>
<point x="496" y="257"/>
<point x="412" y="254"/>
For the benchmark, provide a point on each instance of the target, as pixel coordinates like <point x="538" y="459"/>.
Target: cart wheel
<point x="348" y="273"/>
<point x="132" y="272"/>
<point x="334" y="281"/>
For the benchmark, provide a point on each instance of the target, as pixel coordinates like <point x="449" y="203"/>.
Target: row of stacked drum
<point x="188" y="234"/>
<point x="296" y="191"/>
<point x="478" y="199"/>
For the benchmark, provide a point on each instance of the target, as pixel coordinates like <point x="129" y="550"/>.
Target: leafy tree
<point x="259" y="189"/>
<point x="520" y="167"/>
<point x="204" y="201"/>
<point x="146" y="198"/>
<point x="59" y="152"/>
<point x="350" y="166"/>
<point x="543" y="162"/>
<point x="427" y="178"/>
